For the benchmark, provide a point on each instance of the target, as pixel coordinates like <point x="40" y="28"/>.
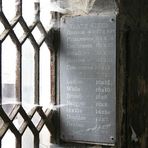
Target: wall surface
<point x="132" y="75"/>
<point x="134" y="24"/>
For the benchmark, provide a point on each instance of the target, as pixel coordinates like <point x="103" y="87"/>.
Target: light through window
<point x="25" y="73"/>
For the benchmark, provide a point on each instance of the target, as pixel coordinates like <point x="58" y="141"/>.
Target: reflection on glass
<point x="37" y="34"/>
<point x="9" y="8"/>
<point x="1" y="122"/>
<point x="8" y="107"/>
<point x="27" y="75"/>
<point x="18" y="30"/>
<point x="44" y="137"/>
<point x="8" y="74"/>
<point x="28" y="11"/>
<point x="8" y="140"/>
<point x="18" y="121"/>
<point x="45" y="14"/>
<point x="45" y="78"/>
<point x="36" y="119"/>
<point x="28" y="139"/>
<point x="1" y="27"/>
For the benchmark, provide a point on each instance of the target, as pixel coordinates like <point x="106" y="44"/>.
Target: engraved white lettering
<point x="73" y="88"/>
<point x="103" y="90"/>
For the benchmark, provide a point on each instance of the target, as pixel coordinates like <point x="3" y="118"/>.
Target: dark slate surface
<point x="88" y="79"/>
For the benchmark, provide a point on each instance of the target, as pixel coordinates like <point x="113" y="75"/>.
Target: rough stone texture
<point x="134" y="20"/>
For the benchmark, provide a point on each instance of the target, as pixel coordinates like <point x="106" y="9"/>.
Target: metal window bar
<point x="46" y="117"/>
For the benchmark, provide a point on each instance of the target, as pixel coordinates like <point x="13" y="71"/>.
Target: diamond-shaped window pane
<point x="36" y="119"/>
<point x="37" y="34"/>
<point x="28" y="11"/>
<point x="27" y="75"/>
<point x="8" y="108"/>
<point x="2" y="28"/>
<point x="18" y="121"/>
<point x="8" y="140"/>
<point x="9" y="58"/>
<point x="45" y="78"/>
<point x="18" y="30"/>
<point x="28" y="139"/>
<point x="44" y="137"/>
<point x="9" y="8"/>
<point x="45" y="14"/>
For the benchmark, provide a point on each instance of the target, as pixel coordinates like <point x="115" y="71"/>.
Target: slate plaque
<point x="87" y="86"/>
